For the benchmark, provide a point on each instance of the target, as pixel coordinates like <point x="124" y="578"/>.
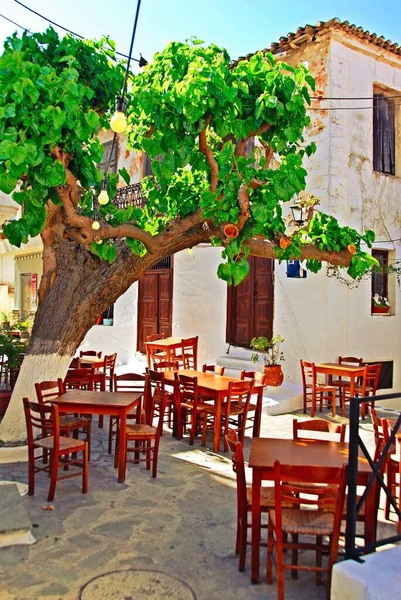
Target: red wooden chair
<point x="156" y="388"/>
<point x="187" y="402"/>
<point x="45" y="391"/>
<point x="234" y="411"/>
<point x="75" y="363"/>
<point x="166" y="365"/>
<point x="382" y="428"/>
<point x="144" y="434"/>
<point x="188" y="357"/>
<point x="93" y="353"/>
<point x="45" y="420"/>
<point x="130" y="383"/>
<point x="341" y="383"/>
<point x="318" y="425"/>
<point x="258" y="377"/>
<point x="244" y="497"/>
<point x="216" y="369"/>
<point x="367" y="387"/>
<point x="321" y="518"/>
<point x="78" y="379"/>
<point x="314" y="391"/>
<point x="107" y="370"/>
<point x="155" y="354"/>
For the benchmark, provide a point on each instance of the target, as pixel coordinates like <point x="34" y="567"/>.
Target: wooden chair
<point x="43" y="431"/>
<point x="130" y="383"/>
<point x="187" y="402"/>
<point x="367" y="387"/>
<point x="154" y="337"/>
<point x="45" y="391"/>
<point x="107" y="369"/>
<point x="144" y="434"/>
<point x="244" y="497"/>
<point x="166" y="365"/>
<point x="255" y="376"/>
<point x="298" y="521"/>
<point x="313" y="390"/>
<point x="188" y="358"/>
<point x="381" y="429"/>
<point x="90" y="353"/>
<point x="78" y="379"/>
<point x="318" y="425"/>
<point x="341" y="383"/>
<point x="234" y="411"/>
<point x="216" y="369"/>
<point x="156" y="389"/>
<point x="75" y="363"/>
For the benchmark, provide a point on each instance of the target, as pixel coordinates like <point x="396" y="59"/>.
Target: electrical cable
<point x="350" y="98"/>
<point x="349" y="107"/>
<point x="63" y="28"/>
<point x="14" y="23"/>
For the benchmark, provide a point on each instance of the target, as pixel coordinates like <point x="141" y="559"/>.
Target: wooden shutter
<point x="111" y="156"/>
<point x="383" y="135"/>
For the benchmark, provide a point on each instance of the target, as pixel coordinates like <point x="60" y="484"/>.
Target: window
<point x="109" y="156"/>
<point x="384" y="138"/>
<point x="380" y="280"/>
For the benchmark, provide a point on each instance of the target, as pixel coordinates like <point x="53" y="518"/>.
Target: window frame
<point x="380" y="280"/>
<point x="384" y="156"/>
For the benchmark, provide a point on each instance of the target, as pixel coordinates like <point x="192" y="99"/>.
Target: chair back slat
<point x="129" y="382"/>
<point x="186" y="387"/>
<point x="350" y="360"/>
<point x="81" y="379"/>
<point x="318" y="425"/>
<point x="43" y="419"/>
<point x="255" y="375"/>
<point x="216" y="369"/>
<point x="75" y="363"/>
<point x="90" y="353"/>
<point x="46" y="390"/>
<point x="189" y="353"/>
<point x="308" y="371"/>
<point x="154" y="337"/>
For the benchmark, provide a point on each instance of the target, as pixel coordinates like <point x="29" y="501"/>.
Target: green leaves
<point x="55" y="174"/>
<point x="7" y="183"/>
<point x="125" y="175"/>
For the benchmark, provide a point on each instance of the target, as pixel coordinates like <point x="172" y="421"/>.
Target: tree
<point x="193" y="112"/>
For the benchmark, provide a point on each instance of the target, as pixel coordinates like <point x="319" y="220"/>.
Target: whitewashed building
<point x="356" y="173"/>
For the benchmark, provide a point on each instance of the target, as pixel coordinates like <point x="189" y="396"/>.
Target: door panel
<point x="155" y="303"/>
<point x="250" y="304"/>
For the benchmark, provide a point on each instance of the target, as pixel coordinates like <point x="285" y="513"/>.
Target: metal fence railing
<point x="355" y="505"/>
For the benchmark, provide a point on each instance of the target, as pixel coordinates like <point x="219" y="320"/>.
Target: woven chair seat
<point x="71" y="421"/>
<point x="305" y="522"/>
<point x="66" y="443"/>
<point x="324" y="388"/>
<point x="251" y="408"/>
<point x="340" y="383"/>
<point x="266" y="498"/>
<point x="140" y="429"/>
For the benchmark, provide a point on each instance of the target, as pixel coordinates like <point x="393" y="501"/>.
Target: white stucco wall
<point x="320" y="317"/>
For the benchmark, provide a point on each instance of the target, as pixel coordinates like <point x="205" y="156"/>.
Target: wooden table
<point x="264" y="451"/>
<point x="117" y="404"/>
<point x="351" y="372"/>
<point x="91" y="361"/>
<point x="167" y="345"/>
<point x="98" y="375"/>
<point x="216" y="386"/>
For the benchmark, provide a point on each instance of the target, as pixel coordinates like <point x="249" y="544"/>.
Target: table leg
<point x="148" y="358"/>
<point x="258" y="414"/>
<point x="217" y="423"/>
<point x="122" y="455"/>
<point x="255" y="543"/>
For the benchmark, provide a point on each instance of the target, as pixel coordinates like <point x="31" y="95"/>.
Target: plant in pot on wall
<point x="270" y="352"/>
<point x="380" y="304"/>
<point x="108" y="316"/>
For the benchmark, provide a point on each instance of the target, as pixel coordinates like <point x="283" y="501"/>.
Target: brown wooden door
<point x="250" y="304"/>
<point x="155" y="304"/>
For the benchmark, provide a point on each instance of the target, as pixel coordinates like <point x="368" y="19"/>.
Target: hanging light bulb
<point x="118" y="121"/>
<point x="95" y="225"/>
<point x="99" y="241"/>
<point x="190" y="251"/>
<point x="103" y="197"/>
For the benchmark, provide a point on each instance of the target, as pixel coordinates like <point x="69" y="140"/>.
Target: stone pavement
<point x="179" y="526"/>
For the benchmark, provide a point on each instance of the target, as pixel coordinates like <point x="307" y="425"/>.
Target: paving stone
<point x="13" y="514"/>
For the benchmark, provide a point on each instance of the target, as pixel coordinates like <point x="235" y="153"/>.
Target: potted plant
<point x="271" y="355"/>
<point x="11" y="356"/>
<point x="380" y="304"/>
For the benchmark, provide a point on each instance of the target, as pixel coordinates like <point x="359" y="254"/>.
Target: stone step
<point x="15" y="525"/>
<point x="240" y="352"/>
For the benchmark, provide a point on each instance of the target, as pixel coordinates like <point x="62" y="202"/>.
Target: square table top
<point x="100" y="399"/>
<point x="337" y="368"/>
<point x="91" y="361"/>
<point x="305" y="452"/>
<point x="208" y="380"/>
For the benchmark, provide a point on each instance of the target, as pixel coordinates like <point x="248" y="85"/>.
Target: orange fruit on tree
<point x="284" y="242"/>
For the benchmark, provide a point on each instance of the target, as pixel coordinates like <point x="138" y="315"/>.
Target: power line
<point x="81" y="37"/>
<point x="350" y="98"/>
<point x="349" y="107"/>
<point x="14" y="23"/>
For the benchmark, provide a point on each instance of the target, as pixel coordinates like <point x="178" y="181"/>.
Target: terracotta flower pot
<point x="380" y="310"/>
<point x="274" y="375"/>
<point x="4" y="401"/>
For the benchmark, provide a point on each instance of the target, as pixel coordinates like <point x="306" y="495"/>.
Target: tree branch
<point x="240" y="147"/>
<point x="243" y="201"/>
<point x="206" y="150"/>
<point x="265" y="249"/>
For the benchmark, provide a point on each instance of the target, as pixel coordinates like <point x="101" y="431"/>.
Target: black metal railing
<point x="130" y="195"/>
<point x="354" y="505"/>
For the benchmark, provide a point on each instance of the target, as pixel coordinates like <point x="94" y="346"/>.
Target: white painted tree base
<point x="35" y="368"/>
<point x="377" y="578"/>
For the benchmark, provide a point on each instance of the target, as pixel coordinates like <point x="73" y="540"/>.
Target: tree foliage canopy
<point x="193" y="112"/>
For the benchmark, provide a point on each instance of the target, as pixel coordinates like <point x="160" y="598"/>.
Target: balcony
<point x="130" y="195"/>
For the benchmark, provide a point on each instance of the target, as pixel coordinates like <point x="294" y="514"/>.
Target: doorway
<point x="155" y="302"/>
<point x="250" y="304"/>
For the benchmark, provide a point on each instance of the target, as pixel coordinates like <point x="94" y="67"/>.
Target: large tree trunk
<point x="81" y="289"/>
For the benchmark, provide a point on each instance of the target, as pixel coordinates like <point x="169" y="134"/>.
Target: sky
<point x="241" y="26"/>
